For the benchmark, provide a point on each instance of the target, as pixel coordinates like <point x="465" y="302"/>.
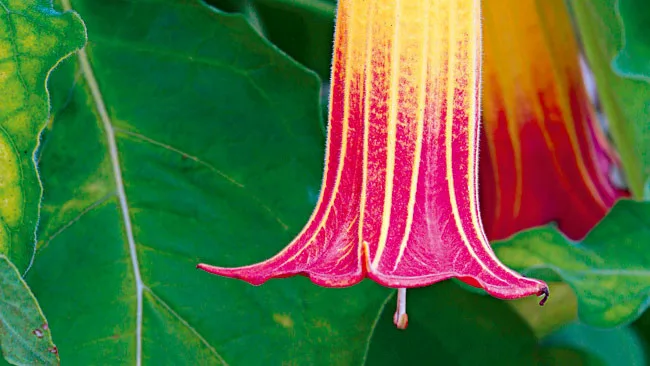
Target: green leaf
<point x="325" y="8"/>
<point x="304" y="29"/>
<point x="25" y="336"/>
<point x="609" y="270"/>
<point x="180" y="136"/>
<point x="614" y="347"/>
<point x="450" y="326"/>
<point x="634" y="58"/>
<point x="33" y="38"/>
<point x="558" y="355"/>
<point x="625" y="101"/>
<point x="642" y="328"/>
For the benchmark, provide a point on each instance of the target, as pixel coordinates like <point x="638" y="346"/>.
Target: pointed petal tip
<point x="543" y="292"/>
<point x="522" y="287"/>
<point x="238" y="273"/>
<point x="204" y="267"/>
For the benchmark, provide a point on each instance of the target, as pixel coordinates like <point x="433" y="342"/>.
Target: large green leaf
<point x="25" y="336"/>
<point x="609" y="270"/>
<point x="304" y="29"/>
<point x="450" y="326"/>
<point x="642" y="328"/>
<point x="326" y="8"/>
<point x="180" y="136"/>
<point x="33" y="38"/>
<point x="614" y="347"/>
<point x="625" y="101"/>
<point x="634" y="58"/>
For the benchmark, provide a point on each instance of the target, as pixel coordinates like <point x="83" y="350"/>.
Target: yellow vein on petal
<point x="420" y="109"/>
<point x="473" y="138"/>
<point x="452" y="63"/>
<point x="367" y="70"/>
<point x="391" y="135"/>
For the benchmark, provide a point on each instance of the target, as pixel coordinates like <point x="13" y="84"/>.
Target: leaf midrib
<point x="111" y="136"/>
<point x="110" y="130"/>
<point x="97" y="97"/>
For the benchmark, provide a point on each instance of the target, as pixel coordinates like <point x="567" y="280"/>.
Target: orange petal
<point x="545" y="159"/>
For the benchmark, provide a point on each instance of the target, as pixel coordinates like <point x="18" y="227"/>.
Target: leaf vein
<point x="93" y="206"/>
<point x="186" y="324"/>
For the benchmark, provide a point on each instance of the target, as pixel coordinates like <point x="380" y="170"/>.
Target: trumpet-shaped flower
<point x="544" y="157"/>
<point x="399" y="198"/>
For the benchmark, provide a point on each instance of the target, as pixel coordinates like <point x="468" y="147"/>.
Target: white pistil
<point x="400" y="319"/>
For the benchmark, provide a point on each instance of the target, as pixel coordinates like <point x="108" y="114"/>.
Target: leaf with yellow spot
<point x="33" y="39"/>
